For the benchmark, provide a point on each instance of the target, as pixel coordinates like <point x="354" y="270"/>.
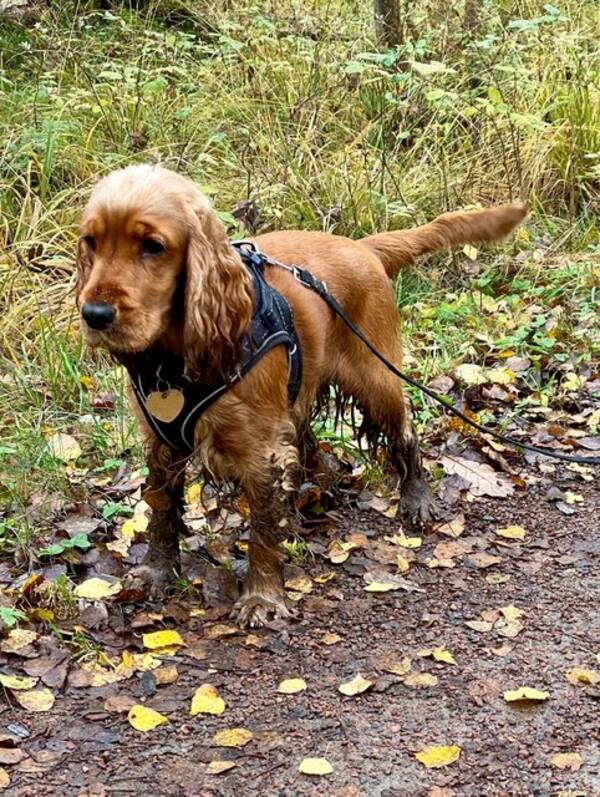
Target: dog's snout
<point x="98" y="315"/>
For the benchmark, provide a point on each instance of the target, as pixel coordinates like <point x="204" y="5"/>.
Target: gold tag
<point x="165" y="406"/>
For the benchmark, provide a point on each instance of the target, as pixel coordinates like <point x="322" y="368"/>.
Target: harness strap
<point x="311" y="282"/>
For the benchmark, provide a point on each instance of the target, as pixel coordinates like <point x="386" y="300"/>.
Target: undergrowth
<point x="289" y="104"/>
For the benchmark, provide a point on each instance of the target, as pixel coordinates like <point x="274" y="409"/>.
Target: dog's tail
<point x="403" y="247"/>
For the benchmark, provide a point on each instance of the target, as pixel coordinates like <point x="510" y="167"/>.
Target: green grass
<point x="290" y="103"/>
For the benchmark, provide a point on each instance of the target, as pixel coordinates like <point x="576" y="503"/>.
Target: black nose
<point x="98" y="315"/>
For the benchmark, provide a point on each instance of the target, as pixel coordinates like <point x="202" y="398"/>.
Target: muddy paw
<point x="254" y="611"/>
<point x="151" y="579"/>
<point x="419" y="506"/>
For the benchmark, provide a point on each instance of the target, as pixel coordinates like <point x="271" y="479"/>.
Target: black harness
<point x="161" y="374"/>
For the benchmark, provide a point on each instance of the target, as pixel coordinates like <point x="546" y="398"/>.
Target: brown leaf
<point x="119" y="704"/>
<point x="483" y="560"/>
<point x="11" y="756"/>
<point x="453" y="528"/>
<point x="482" y="479"/>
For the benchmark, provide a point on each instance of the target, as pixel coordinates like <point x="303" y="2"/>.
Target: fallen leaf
<point x="479" y="625"/>
<point x="218" y="767"/>
<point x="17" y="639"/>
<point x="525" y="693"/>
<point x="355" y="687"/>
<point x="206" y="700"/>
<point x="582" y="675"/>
<point x="220" y="630"/>
<point x="37" y="700"/>
<point x="291" y="686"/>
<point x="434" y="757"/>
<point x="404" y="541"/>
<point x="511" y="612"/>
<point x="9" y="756"/>
<point x="315" y="766"/>
<point x="380" y="586"/>
<point x="233" y="737"/>
<point x="572" y="761"/>
<point x="302" y="584"/>
<point x="483" y="560"/>
<point x="17" y="682"/>
<point x="161" y="639"/>
<point x="498" y="578"/>
<point x="512" y="532"/>
<point x="324" y="577"/>
<point x="4" y="779"/>
<point x="402" y="564"/>
<point x="397" y="666"/>
<point x="119" y="704"/>
<point x="331" y="639"/>
<point x="421" y="679"/>
<point x="166" y="675"/>
<point x="145" y="719"/>
<point x="443" y="655"/>
<point x="469" y="374"/>
<point x="97" y="589"/>
<point x="482" y="479"/>
<point x="453" y="528"/>
<point x="64" y="447"/>
<point x="339" y="551"/>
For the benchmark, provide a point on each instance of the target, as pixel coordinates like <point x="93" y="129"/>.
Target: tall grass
<point x="288" y="103"/>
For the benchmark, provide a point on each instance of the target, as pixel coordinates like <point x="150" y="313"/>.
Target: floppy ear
<point x="83" y="265"/>
<point x="218" y="300"/>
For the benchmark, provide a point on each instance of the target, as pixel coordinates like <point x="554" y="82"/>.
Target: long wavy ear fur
<point x="218" y="299"/>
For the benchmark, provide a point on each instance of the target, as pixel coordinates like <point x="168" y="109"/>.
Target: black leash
<point x="308" y="280"/>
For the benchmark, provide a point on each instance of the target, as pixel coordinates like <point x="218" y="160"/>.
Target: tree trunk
<point x="387" y="22"/>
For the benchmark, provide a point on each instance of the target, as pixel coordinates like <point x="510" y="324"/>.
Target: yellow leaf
<point x="162" y="639"/>
<point x="402" y="564"/>
<point x="64" y="447"/>
<point x="399" y="667"/>
<point x="525" y="693"/>
<point x="573" y="498"/>
<point x="37" y="700"/>
<point x="512" y="532"/>
<point x="433" y="757"/>
<point x="233" y="737"/>
<point x="470" y="374"/>
<point x="502" y="376"/>
<point x="291" y="686"/>
<point x="441" y="654"/>
<point x="380" y="586"/>
<point x="207" y="700"/>
<point x="333" y="639"/>
<point x="582" y="675"/>
<point x="421" y="679"/>
<point x="301" y="583"/>
<point x="511" y="612"/>
<point x="470" y="252"/>
<point x="97" y="589"/>
<point x="355" y="687"/>
<point x="572" y="761"/>
<point x="315" y="766"/>
<point x="87" y="382"/>
<point x="4" y="779"/>
<point x="324" y="577"/>
<point x="219" y="630"/>
<point x="404" y="541"/>
<point x="339" y="551"/>
<point x="17" y="682"/>
<point x="218" y="767"/>
<point x="17" y="639"/>
<point x="145" y="719"/>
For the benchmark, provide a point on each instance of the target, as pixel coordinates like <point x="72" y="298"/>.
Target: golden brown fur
<point x="195" y="300"/>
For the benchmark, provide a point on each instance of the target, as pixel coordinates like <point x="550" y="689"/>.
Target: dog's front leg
<point x="263" y="596"/>
<point x="164" y="495"/>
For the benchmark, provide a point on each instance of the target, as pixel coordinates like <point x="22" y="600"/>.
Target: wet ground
<point x="85" y="747"/>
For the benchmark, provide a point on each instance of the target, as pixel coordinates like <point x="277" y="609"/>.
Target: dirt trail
<point x="370" y="740"/>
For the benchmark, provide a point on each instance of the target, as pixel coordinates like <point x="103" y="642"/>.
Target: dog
<point x="157" y="277"/>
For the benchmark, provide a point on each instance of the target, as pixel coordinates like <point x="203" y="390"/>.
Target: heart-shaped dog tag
<point x="165" y="406"/>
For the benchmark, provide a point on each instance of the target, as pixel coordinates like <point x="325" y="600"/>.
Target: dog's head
<point x="155" y="266"/>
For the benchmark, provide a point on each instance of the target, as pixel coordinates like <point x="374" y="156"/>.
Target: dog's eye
<point x="90" y="242"/>
<point x="150" y="246"/>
